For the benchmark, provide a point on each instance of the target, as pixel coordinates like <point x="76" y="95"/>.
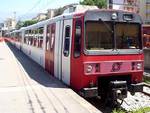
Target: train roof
<point x="72" y="15"/>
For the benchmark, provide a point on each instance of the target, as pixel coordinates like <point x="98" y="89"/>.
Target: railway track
<point x="139" y="100"/>
<point x="147" y="86"/>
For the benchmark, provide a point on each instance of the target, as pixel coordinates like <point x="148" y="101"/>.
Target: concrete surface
<point x="25" y="87"/>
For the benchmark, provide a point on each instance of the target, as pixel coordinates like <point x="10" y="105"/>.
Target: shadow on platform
<point x="34" y="70"/>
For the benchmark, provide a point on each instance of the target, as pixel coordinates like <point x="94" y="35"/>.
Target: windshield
<point x="98" y="36"/>
<point x="127" y="36"/>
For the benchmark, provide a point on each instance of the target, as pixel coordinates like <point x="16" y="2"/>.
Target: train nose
<point x="118" y="89"/>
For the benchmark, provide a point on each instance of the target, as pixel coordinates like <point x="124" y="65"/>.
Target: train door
<point x="49" y="55"/>
<point x="66" y="52"/>
<point x="58" y="49"/>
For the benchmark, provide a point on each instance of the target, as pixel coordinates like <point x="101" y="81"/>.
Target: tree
<point x="98" y="3"/>
<point x="29" y="22"/>
<point x="25" y="23"/>
<point x="19" y="24"/>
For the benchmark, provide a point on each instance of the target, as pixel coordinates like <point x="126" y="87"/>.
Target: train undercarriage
<point x="113" y="89"/>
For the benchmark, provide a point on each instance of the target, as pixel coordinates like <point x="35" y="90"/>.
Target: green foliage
<point x="29" y="22"/>
<point x="19" y="24"/>
<point x="146" y="79"/>
<point x="99" y="3"/>
<point x="141" y="110"/>
<point x="25" y="23"/>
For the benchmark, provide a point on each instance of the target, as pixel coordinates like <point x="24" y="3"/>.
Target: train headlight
<point x="114" y="16"/>
<point x="139" y="66"/>
<point x="89" y="69"/>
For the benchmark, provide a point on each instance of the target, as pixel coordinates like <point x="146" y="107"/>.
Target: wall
<point x="147" y="58"/>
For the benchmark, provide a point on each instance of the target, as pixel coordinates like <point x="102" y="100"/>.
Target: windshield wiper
<point x="106" y="25"/>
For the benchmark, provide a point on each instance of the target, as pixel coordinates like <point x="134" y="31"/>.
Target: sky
<point x="26" y="9"/>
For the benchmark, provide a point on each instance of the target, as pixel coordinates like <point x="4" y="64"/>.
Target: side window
<point x="77" y="39"/>
<point x="29" y="37"/>
<point x="48" y="37"/>
<point x="40" y="37"/>
<point x="25" y="37"/>
<point x="20" y="37"/>
<point x="67" y="41"/>
<point x="52" y="36"/>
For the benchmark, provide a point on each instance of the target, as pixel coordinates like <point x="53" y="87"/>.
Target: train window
<point x="40" y="37"/>
<point x="25" y="37"/>
<point x="35" y="33"/>
<point x="29" y="37"/>
<point x="52" y="36"/>
<point x="98" y="36"/>
<point x="67" y="41"/>
<point x="77" y="40"/>
<point x="32" y="37"/>
<point x="125" y="38"/>
<point x="48" y="37"/>
<point x="20" y="37"/>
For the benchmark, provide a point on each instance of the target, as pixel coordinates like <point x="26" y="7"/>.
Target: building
<point x="145" y="10"/>
<point x="138" y="6"/>
<point x="51" y="13"/>
<point x="1" y="29"/>
<point x="68" y="9"/>
<point x="77" y="8"/>
<point x="129" y="5"/>
<point x="40" y="17"/>
<point x="9" y="24"/>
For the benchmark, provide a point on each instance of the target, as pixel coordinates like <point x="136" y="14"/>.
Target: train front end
<point x="111" y="60"/>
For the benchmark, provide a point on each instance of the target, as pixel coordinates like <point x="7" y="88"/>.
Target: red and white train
<point x="96" y="52"/>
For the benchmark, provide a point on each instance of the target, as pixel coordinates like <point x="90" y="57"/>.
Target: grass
<point x="147" y="81"/>
<point x="119" y="111"/>
<point x="141" y="110"/>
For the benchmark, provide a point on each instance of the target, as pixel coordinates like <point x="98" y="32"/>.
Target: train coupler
<point x="118" y="90"/>
<point x="89" y="92"/>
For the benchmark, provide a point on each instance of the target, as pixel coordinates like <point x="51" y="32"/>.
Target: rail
<point x="144" y="92"/>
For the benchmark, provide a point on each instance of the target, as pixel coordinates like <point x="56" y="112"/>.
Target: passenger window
<point x="48" y="37"/>
<point x="77" y="40"/>
<point x="67" y="41"/>
<point x="40" y="37"/>
<point x="52" y="36"/>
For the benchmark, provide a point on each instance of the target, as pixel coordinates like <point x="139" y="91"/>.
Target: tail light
<point x="137" y="65"/>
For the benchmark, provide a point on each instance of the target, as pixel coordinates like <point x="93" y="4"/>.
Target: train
<point x="98" y="53"/>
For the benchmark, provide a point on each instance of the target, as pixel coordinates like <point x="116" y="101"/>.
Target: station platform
<point x="25" y="87"/>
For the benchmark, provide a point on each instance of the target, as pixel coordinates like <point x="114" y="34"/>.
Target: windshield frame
<point x="114" y="50"/>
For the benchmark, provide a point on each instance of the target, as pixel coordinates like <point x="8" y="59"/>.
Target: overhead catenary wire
<point x="40" y="4"/>
<point x="31" y="9"/>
